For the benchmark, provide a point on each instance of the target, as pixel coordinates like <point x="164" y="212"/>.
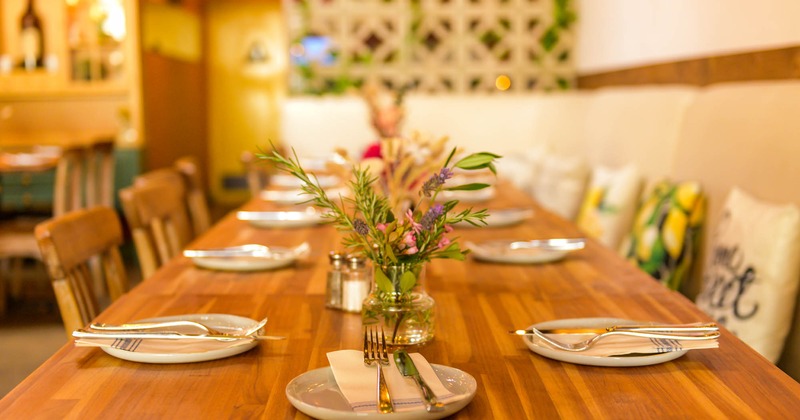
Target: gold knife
<point x="171" y="336"/>
<point x="666" y="329"/>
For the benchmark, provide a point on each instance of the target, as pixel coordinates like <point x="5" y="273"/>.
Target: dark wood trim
<point x="775" y="64"/>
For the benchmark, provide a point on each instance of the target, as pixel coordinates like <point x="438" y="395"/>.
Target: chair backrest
<point x="257" y="175"/>
<point x="196" y="200"/>
<point x="156" y="214"/>
<point x="68" y="184"/>
<point x="100" y="173"/>
<point x="67" y="244"/>
<point x="185" y="172"/>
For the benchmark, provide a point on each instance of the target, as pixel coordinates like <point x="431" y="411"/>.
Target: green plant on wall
<point x="563" y="17"/>
<point x="432" y="38"/>
<point x="312" y="82"/>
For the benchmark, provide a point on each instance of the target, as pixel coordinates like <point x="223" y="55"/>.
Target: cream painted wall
<point x="617" y="34"/>
<point x="243" y="98"/>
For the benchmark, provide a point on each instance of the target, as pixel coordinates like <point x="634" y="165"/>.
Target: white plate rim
<point x="444" y="372"/>
<point x="468" y="196"/>
<point x="544" y="256"/>
<point x="286" y="180"/>
<point x="510" y="217"/>
<point x="604" y="361"/>
<point x="297" y="196"/>
<point x="303" y="219"/>
<point x="212" y="320"/>
<point x="248" y="263"/>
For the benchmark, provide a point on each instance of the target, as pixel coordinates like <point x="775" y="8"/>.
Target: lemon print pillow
<point x="665" y="234"/>
<point x="609" y="204"/>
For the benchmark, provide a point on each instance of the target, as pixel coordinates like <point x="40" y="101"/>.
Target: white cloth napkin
<point x="161" y="346"/>
<point x="359" y="383"/>
<point x="620" y="344"/>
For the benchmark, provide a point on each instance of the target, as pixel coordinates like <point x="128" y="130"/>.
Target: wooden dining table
<point x="477" y="304"/>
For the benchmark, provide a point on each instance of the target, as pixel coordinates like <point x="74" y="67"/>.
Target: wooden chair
<point x="196" y="200"/>
<point x="185" y="171"/>
<point x="17" y="239"/>
<point x="100" y="173"/>
<point x="67" y="244"/>
<point x="156" y="214"/>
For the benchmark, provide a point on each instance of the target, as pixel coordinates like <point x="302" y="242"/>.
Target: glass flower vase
<point x="399" y="304"/>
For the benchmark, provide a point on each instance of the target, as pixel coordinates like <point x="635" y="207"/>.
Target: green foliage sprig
<point x="369" y="224"/>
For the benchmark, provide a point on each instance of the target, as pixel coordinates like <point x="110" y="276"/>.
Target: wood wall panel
<point x="775" y="64"/>
<point x="175" y="110"/>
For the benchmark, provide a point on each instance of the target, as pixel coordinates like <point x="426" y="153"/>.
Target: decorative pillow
<point x="751" y="278"/>
<point x="609" y="204"/>
<point x="666" y="231"/>
<point x="560" y="184"/>
<point x="522" y="168"/>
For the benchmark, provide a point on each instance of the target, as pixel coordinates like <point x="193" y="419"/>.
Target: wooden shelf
<point x="58" y="82"/>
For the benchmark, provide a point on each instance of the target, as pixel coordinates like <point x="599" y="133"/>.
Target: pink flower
<point x="414" y="225"/>
<point x="381" y="227"/>
<point x="410" y="240"/>
<point x="411" y="251"/>
<point x="444" y="243"/>
<point x="448" y="228"/>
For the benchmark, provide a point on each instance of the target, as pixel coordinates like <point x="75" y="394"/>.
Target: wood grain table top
<point x="477" y="303"/>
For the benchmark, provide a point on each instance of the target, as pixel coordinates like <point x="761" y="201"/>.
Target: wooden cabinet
<point x="91" y="83"/>
<point x="90" y="47"/>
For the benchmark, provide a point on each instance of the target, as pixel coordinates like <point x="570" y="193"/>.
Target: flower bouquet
<point x="398" y="240"/>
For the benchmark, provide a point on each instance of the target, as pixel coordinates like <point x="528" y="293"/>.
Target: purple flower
<point x="361" y="227"/>
<point x="436" y="181"/>
<point x="430" y="216"/>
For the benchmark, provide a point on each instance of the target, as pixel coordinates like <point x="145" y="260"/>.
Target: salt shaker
<point x="355" y="283"/>
<point x="333" y="286"/>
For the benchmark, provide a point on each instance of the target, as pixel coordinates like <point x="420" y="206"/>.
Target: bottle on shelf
<point x="31" y="39"/>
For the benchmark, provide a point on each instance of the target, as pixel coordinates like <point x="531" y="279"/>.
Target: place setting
<point x="616" y="342"/>
<point x="176" y="339"/>
<point x="296" y="195"/>
<point x="534" y="251"/>
<point x="467" y="196"/>
<point x="379" y="381"/>
<point x="289" y="181"/>
<point x="303" y="217"/>
<point x="503" y="217"/>
<point x="248" y="257"/>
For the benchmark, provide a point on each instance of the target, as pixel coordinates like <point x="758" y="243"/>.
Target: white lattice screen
<point x="456" y="46"/>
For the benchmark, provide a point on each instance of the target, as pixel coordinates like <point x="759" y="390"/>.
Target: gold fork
<point x="375" y="352"/>
<point x="587" y="344"/>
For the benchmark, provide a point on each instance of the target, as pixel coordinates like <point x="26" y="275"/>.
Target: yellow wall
<point x="243" y="97"/>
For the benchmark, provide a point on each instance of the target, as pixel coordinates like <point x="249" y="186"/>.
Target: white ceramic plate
<point x="281" y="219"/>
<point x="316" y="394"/>
<point x="222" y="322"/>
<point x="504" y="217"/>
<point x="297" y="196"/>
<point x="279" y="257"/>
<point x="500" y="251"/>
<point x="286" y="180"/>
<point x="578" y="358"/>
<point x="474" y="196"/>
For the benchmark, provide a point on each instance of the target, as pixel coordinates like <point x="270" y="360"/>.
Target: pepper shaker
<point x="333" y="286"/>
